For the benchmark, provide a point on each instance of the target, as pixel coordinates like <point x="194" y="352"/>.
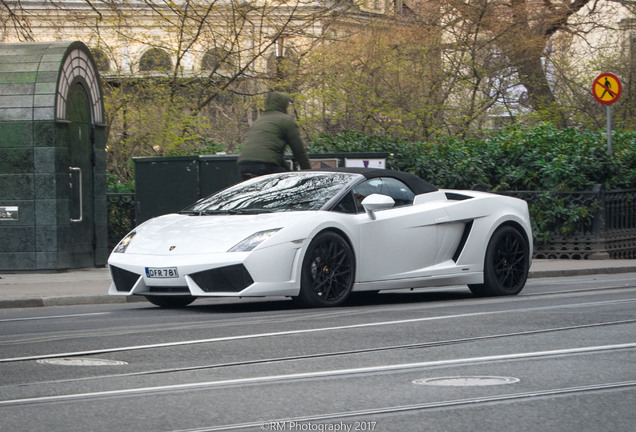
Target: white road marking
<point x="297" y="332"/>
<point x="272" y="424"/>
<point x="316" y="374"/>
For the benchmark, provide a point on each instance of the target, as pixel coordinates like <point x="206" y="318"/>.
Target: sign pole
<point x="609" y="130"/>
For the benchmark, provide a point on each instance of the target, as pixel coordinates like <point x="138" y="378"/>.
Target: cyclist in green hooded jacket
<point x="264" y="149"/>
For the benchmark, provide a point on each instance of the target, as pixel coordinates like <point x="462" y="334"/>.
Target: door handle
<point x="81" y="206"/>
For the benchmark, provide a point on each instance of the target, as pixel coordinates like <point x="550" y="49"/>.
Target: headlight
<point x="254" y="240"/>
<point x="123" y="244"/>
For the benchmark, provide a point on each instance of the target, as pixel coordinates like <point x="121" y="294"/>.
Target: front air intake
<point x="233" y="278"/>
<point x="123" y="279"/>
<point x="168" y="290"/>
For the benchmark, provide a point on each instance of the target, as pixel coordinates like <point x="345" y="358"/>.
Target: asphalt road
<point x="561" y="356"/>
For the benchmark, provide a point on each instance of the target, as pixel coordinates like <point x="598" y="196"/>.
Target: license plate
<point x="162" y="272"/>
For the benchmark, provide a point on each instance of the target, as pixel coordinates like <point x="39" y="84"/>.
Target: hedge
<point x="542" y="158"/>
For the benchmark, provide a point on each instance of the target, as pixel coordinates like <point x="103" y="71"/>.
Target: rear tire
<point x="171" y="302"/>
<point x="328" y="272"/>
<point x="506" y="264"/>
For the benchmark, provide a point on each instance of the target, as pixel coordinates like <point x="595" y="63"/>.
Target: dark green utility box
<point x="165" y="184"/>
<point x="216" y="172"/>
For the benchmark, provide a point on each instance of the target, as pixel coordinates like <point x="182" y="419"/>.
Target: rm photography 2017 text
<point x="289" y="425"/>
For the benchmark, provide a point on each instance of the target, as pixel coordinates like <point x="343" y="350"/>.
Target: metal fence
<point x="121" y="216"/>
<point x="582" y="224"/>
<point x="567" y="225"/>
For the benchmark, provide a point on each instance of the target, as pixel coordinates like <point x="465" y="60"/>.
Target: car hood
<point x="184" y="234"/>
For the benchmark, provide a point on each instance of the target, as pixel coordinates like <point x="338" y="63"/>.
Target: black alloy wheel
<point x="506" y="264"/>
<point x="328" y="271"/>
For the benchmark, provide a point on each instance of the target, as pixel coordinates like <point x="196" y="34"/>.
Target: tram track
<point x="316" y="374"/>
<point x="282" y="359"/>
<point x="305" y="316"/>
<point x="300" y="422"/>
<point x="297" y="332"/>
<point x="583" y="291"/>
<point x="380" y="363"/>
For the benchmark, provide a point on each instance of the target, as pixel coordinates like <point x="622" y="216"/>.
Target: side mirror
<point x="375" y="202"/>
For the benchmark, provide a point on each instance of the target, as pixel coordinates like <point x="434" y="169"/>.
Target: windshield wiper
<point x="234" y="211"/>
<point x="252" y="211"/>
<point x="217" y="212"/>
<point x="244" y="211"/>
<point x="205" y="212"/>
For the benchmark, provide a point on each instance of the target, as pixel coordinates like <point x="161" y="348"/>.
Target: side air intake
<point x="454" y="196"/>
<point x="462" y="242"/>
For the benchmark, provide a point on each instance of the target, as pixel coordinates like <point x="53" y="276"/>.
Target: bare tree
<point x="375" y="76"/>
<point x="521" y="31"/>
<point x="182" y="76"/>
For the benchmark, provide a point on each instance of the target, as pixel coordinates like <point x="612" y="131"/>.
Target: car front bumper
<point x="272" y="271"/>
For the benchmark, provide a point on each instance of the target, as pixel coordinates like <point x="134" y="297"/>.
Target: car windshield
<point x="282" y="192"/>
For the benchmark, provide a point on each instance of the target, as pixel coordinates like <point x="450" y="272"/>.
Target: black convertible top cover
<point x="417" y="185"/>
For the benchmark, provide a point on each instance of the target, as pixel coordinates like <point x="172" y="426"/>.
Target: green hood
<point x="276" y="101"/>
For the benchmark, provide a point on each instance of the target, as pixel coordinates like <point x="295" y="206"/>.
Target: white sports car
<point x="318" y="236"/>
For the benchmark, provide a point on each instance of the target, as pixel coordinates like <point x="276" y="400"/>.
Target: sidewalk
<point x="90" y="286"/>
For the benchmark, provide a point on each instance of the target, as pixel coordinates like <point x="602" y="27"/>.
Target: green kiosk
<point x="53" y="211"/>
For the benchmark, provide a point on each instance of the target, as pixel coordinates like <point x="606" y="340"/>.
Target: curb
<point x="580" y="272"/>
<point x="68" y="301"/>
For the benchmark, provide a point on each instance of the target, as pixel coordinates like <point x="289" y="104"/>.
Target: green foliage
<point x="149" y="117"/>
<point x="115" y="185"/>
<point x="542" y="158"/>
<point x="556" y="215"/>
<point x="204" y="146"/>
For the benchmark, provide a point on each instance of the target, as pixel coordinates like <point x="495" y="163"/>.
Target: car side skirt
<point x="433" y="281"/>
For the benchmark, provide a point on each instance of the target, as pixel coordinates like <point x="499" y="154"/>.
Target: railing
<point x="620" y="210"/>
<point x="618" y="223"/>
<point x="581" y="225"/>
<point x="121" y="216"/>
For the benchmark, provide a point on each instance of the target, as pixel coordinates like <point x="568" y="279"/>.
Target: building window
<point x="155" y="60"/>
<point x="217" y="60"/>
<point x="101" y="60"/>
<point x="282" y="64"/>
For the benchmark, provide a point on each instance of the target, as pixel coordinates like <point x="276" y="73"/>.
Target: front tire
<point x="328" y="271"/>
<point x="171" y="302"/>
<point x="506" y="264"/>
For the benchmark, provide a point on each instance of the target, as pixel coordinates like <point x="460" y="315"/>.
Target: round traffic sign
<point x="607" y="88"/>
